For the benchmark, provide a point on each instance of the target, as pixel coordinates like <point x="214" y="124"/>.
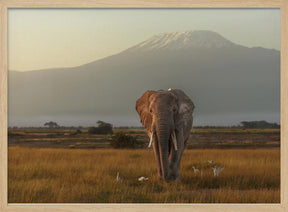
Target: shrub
<point x="78" y="131"/>
<point x="121" y="140"/>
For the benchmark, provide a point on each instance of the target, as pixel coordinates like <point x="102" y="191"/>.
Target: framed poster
<point x="73" y="72"/>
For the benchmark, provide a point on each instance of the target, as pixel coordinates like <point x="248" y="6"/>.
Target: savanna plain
<point x="62" y="166"/>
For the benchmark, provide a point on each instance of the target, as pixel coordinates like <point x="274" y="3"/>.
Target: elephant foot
<point x="174" y="178"/>
<point x="178" y="179"/>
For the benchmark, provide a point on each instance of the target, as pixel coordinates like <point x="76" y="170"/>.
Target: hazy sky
<point x="50" y="38"/>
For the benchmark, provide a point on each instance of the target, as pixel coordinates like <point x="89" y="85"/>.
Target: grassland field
<point x="59" y="166"/>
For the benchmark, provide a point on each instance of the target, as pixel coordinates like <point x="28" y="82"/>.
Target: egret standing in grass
<point x="217" y="171"/>
<point x="118" y="177"/>
<point x="195" y="170"/>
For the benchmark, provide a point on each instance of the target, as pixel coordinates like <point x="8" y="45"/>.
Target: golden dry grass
<point x="45" y="175"/>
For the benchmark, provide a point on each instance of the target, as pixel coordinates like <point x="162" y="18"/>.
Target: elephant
<point x="167" y="117"/>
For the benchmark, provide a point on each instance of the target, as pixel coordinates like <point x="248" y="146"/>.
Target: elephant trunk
<point x="163" y="135"/>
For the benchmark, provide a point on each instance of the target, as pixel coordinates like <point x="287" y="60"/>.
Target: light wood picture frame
<point x="5" y="5"/>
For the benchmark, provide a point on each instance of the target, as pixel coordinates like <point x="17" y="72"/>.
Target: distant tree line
<point x="106" y="128"/>
<point x="244" y="125"/>
<point x="259" y="125"/>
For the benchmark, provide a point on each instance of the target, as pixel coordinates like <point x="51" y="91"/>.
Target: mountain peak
<point x="183" y="40"/>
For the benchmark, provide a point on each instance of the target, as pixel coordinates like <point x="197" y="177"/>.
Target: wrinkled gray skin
<point x="161" y="113"/>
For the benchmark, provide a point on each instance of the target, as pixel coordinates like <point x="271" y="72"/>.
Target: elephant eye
<point x="174" y="109"/>
<point x="150" y="110"/>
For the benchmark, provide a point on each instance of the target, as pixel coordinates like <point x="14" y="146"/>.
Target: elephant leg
<point x="157" y="157"/>
<point x="173" y="158"/>
<point x="181" y="147"/>
<point x="181" y="150"/>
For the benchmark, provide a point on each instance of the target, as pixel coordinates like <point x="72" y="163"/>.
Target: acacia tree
<point x="51" y="124"/>
<point x="103" y="128"/>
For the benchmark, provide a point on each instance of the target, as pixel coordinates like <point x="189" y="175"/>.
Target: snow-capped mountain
<point x="222" y="78"/>
<point x="183" y="40"/>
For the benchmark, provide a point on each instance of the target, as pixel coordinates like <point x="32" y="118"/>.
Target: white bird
<point x="170" y="89"/>
<point x="217" y="171"/>
<point x="143" y="178"/>
<point x="210" y="161"/>
<point x="118" y="177"/>
<point x="195" y="170"/>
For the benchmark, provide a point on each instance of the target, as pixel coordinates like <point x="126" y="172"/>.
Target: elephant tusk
<point x="174" y="140"/>
<point x="151" y="140"/>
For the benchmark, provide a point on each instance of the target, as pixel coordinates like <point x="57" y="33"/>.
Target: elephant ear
<point x="185" y="109"/>
<point x="142" y="107"/>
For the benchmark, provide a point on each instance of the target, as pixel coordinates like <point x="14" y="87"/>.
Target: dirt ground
<point x="199" y="139"/>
